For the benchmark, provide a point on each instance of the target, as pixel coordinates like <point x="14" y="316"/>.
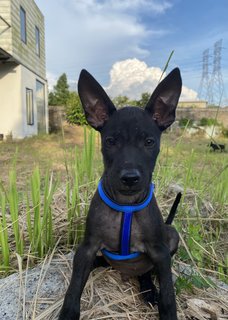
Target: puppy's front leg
<point x="82" y="265"/>
<point x="161" y="258"/>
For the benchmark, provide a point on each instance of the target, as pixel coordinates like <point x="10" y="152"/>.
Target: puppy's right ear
<point x="97" y="105"/>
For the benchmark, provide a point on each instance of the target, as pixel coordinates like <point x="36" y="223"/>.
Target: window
<point x="23" y="24"/>
<point x="37" y="34"/>
<point x="40" y="107"/>
<point x="29" y="106"/>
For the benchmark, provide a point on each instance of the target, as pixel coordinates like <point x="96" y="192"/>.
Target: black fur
<point x="130" y="146"/>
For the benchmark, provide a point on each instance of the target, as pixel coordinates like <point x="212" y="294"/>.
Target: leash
<point x="127" y="214"/>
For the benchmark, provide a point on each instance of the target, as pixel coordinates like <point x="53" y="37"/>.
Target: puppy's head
<point x="130" y="136"/>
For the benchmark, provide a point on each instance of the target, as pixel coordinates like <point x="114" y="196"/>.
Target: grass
<point x="30" y="225"/>
<point x="46" y="194"/>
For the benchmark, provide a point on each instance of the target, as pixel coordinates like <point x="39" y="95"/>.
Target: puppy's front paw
<point x="147" y="289"/>
<point x="151" y="296"/>
<point x="69" y="311"/>
<point x="69" y="315"/>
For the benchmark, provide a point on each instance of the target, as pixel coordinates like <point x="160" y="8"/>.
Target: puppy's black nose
<point x="130" y="177"/>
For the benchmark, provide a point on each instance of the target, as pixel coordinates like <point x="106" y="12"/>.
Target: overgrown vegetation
<point x="74" y="111"/>
<point x="185" y="122"/>
<point x="27" y="224"/>
<point x="208" y="122"/>
<point x="50" y="207"/>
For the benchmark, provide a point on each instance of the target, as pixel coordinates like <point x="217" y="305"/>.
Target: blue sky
<point x="119" y="41"/>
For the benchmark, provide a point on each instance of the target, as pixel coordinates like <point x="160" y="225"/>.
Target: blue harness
<point x="125" y="237"/>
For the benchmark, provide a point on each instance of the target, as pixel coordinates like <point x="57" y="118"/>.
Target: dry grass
<point x="46" y="151"/>
<point x="107" y="296"/>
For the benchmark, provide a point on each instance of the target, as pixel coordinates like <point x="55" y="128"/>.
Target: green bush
<point x="208" y="122"/>
<point x="225" y="132"/>
<point x="74" y="111"/>
<point x="183" y="122"/>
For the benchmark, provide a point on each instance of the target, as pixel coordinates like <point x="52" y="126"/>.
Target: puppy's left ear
<point x="163" y="102"/>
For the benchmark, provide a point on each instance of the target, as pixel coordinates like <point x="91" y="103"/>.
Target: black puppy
<point x="124" y="220"/>
<point x="216" y="146"/>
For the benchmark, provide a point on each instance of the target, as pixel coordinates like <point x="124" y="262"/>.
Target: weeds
<point x="201" y="219"/>
<point x="37" y="234"/>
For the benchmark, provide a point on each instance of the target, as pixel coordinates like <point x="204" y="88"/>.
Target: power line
<point x="211" y="86"/>
<point x="216" y="83"/>
<point x="205" y="81"/>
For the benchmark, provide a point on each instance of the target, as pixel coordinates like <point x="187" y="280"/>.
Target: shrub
<point x="183" y="122"/>
<point x="225" y="132"/>
<point x="74" y="111"/>
<point x="208" y="122"/>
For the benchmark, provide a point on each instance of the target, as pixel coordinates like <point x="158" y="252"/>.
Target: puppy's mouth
<point x="130" y="191"/>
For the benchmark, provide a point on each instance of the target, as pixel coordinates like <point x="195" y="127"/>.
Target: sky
<point x="125" y="44"/>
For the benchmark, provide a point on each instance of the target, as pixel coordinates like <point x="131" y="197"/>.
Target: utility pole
<point x="216" y="83"/>
<point x="205" y="81"/>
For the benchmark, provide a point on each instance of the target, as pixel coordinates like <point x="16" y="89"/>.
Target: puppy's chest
<point x="112" y="230"/>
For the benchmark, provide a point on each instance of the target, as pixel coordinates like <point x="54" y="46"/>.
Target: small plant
<point x="208" y="122"/>
<point x="81" y="174"/>
<point x="185" y="122"/>
<point x="39" y="213"/>
<point x="4" y="238"/>
<point x="225" y="132"/>
<point x="183" y="284"/>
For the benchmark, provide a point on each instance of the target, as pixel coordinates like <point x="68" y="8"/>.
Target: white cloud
<point x="93" y="34"/>
<point x="52" y="79"/>
<point x="155" y="6"/>
<point x="188" y="94"/>
<point x="132" y="77"/>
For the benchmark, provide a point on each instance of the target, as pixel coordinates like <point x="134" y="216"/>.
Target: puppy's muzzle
<point x="130" y="177"/>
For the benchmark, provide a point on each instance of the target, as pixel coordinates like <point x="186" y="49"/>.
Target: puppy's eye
<point x="110" y="141"/>
<point x="149" y="142"/>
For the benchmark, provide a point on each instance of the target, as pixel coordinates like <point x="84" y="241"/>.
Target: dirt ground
<point x="47" y="151"/>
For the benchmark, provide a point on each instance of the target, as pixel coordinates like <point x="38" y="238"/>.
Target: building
<point x="196" y="104"/>
<point x="23" y="85"/>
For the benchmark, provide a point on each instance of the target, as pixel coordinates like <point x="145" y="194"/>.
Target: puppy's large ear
<point x="163" y="102"/>
<point x="96" y="104"/>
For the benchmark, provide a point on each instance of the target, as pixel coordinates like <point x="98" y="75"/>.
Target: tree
<point x="144" y="99"/>
<point x="74" y="111"/>
<point x="52" y="101"/>
<point x="121" y="101"/>
<point x="60" y="93"/>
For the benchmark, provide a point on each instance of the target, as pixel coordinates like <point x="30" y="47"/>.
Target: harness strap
<point x="125" y="236"/>
<point x="126" y="233"/>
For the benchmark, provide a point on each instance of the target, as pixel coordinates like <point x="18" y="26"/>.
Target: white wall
<point x="14" y="79"/>
<point x="29" y="81"/>
<point x="10" y="100"/>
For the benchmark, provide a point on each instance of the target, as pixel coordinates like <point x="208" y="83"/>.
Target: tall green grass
<point x="26" y="217"/>
<point x="81" y="176"/>
<point x="39" y="212"/>
<point x="202" y="214"/>
<point x="29" y="225"/>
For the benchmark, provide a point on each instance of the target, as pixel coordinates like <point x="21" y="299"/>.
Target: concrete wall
<point x="192" y="104"/>
<point x="57" y="115"/>
<point x="220" y="114"/>
<point x="10" y="40"/>
<point x="28" y="80"/>
<point x="10" y="102"/>
<point x="14" y="79"/>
